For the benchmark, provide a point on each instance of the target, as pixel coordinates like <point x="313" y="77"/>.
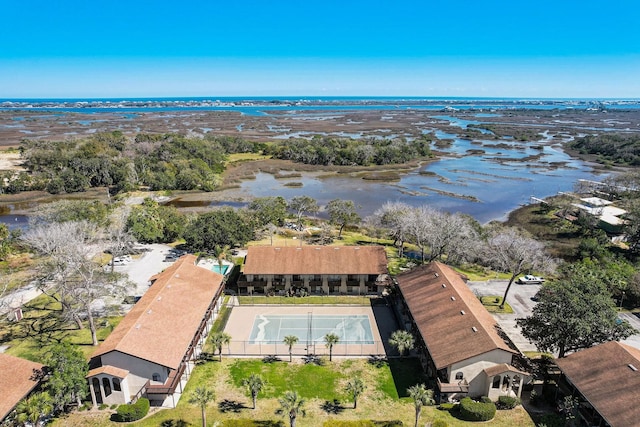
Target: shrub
<point x="551" y="420"/>
<point x="508" y="402"/>
<point x="486" y="399"/>
<point x="439" y="423"/>
<point x="132" y="412"/>
<point x="103" y="406"/>
<point x="471" y="410"/>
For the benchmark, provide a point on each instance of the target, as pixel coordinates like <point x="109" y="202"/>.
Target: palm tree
<point x="202" y="396"/>
<point x="402" y="340"/>
<point x="330" y="340"/>
<point x="292" y="405"/>
<point x="32" y="409"/>
<point x="220" y="252"/>
<point x="355" y="387"/>
<point x="255" y="384"/>
<point x="218" y="339"/>
<point x="421" y="397"/>
<point x="290" y="340"/>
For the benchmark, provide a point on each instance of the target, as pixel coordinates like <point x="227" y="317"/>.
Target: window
<point x="106" y="384"/>
<point x="496" y="382"/>
<point x="459" y="375"/>
<point x="155" y="377"/>
<point x="506" y="383"/>
<point x="116" y="384"/>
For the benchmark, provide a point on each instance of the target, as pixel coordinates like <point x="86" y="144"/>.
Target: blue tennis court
<point x="311" y="328"/>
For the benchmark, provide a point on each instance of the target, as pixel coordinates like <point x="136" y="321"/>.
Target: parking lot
<point x="519" y="299"/>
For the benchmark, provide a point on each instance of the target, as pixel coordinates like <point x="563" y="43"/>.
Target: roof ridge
<point x="474" y="305"/>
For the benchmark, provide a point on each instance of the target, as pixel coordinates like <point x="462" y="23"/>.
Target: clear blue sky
<point x="135" y="48"/>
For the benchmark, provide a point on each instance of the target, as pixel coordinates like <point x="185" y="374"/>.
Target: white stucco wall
<point x="140" y="371"/>
<point x="472" y="370"/>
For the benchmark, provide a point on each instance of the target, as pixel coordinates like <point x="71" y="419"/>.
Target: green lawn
<point x="310" y="300"/>
<point x="384" y="397"/>
<point x="492" y="304"/>
<point x="42" y="327"/>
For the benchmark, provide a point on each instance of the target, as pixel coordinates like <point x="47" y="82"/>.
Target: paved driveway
<point x="519" y="299"/>
<point x="139" y="270"/>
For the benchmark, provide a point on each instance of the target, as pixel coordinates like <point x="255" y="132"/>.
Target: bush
<point x="133" y="412"/>
<point x="471" y="410"/>
<point x="103" y="406"/>
<point x="507" y="402"/>
<point x="486" y="399"/>
<point x="439" y="423"/>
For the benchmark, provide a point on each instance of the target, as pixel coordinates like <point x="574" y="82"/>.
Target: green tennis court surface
<point x="351" y="329"/>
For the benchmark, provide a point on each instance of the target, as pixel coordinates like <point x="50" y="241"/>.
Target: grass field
<point x="492" y="304"/>
<point x="322" y="387"/>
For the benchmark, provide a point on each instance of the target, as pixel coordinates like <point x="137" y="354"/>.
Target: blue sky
<point x="214" y="48"/>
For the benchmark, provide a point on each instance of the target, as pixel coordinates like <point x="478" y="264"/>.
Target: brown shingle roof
<point x="161" y="325"/>
<point x="316" y="260"/>
<point x="18" y="377"/>
<point x="109" y="370"/>
<point x="453" y="323"/>
<point x="501" y="368"/>
<point x="604" y="377"/>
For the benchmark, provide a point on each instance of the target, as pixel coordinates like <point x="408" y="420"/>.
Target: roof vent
<point x="356" y="249"/>
<point x="159" y="298"/>
<point x="436" y="274"/>
<point x="317" y="249"/>
<point x="178" y="276"/>
<point x="168" y="286"/>
<point x="336" y="248"/>
<point x="444" y="285"/>
<point x="633" y="368"/>
<point x="298" y="249"/>
<point x="277" y="249"/>
<point x="462" y="312"/>
<point x="149" y="312"/>
<point x="474" y="329"/>
<point x="453" y="298"/>
<point x="138" y="326"/>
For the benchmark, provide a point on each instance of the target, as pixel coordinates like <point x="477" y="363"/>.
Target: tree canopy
<point x="67" y="380"/>
<point x="342" y="213"/>
<point x="223" y="227"/>
<point x="573" y="313"/>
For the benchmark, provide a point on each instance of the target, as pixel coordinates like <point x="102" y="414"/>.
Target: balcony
<point x="461" y="386"/>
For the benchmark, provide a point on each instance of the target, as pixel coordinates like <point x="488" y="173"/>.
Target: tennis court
<point x="350" y="329"/>
<point x="260" y="330"/>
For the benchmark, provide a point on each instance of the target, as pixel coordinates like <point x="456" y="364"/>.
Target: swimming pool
<point x="216" y="269"/>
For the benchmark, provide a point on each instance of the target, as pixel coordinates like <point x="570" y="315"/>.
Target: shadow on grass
<point x="174" y="423"/>
<point x="332" y="407"/>
<point x="231" y="406"/>
<point x="406" y="372"/>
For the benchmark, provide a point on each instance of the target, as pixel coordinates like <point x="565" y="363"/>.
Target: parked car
<point x="528" y="279"/>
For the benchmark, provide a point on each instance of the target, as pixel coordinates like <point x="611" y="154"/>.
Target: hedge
<point x="507" y="402"/>
<point x="133" y="412"/>
<point x="470" y="410"/>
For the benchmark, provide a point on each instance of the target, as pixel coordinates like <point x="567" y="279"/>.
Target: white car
<point x="528" y="279"/>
